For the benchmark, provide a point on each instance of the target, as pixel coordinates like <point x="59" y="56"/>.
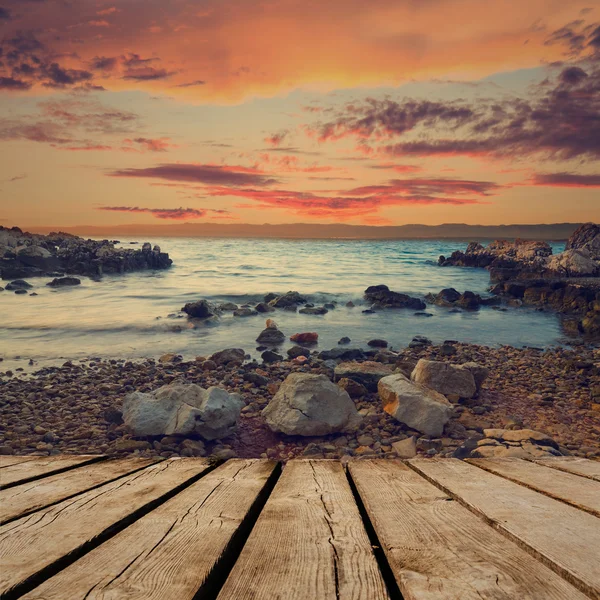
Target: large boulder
<point x="310" y="405"/>
<point x="183" y="409"/>
<point x="380" y="296"/>
<point x="445" y="378"/>
<point x="367" y="373"/>
<point x="414" y="405"/>
<point x="202" y="309"/>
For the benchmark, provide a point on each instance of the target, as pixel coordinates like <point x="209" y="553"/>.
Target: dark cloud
<point x="147" y="74"/>
<point x="204" y="174"/>
<point x="104" y="63"/>
<point x="572" y="76"/>
<point x="10" y="83"/>
<point x="135" y="61"/>
<point x="565" y="180"/>
<point x="562" y="121"/>
<point x="167" y="213"/>
<point x="57" y="77"/>
<point x="191" y="83"/>
<point x="4" y="14"/>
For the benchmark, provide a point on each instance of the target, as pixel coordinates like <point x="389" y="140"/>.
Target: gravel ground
<point x="75" y="409"/>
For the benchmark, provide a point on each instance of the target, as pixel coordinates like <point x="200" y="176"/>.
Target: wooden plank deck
<point x="425" y="529"/>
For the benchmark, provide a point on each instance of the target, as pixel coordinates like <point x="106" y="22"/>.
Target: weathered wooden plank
<point x="564" y="538"/>
<point x="7" y="461"/>
<point x="23" y="499"/>
<point x="438" y="550"/>
<point x="578" y="491"/>
<point x="573" y="464"/>
<point x="309" y="542"/>
<point x="42" y="466"/>
<point x="30" y="546"/>
<point x="169" y="553"/>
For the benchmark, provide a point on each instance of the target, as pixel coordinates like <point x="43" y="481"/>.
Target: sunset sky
<point x="281" y="111"/>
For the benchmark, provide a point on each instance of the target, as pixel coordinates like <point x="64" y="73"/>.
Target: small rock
<point x="405" y="448"/>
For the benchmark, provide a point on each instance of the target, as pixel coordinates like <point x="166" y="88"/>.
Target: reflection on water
<point x="127" y="315"/>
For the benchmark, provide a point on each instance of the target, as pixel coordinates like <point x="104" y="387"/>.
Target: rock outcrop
<point x="415" y="405"/>
<point x="310" y="405"/>
<point x="526" y="272"/>
<point x="183" y="409"/>
<point x="25" y="255"/>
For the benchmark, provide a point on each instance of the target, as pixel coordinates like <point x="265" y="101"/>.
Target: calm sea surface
<point x="127" y="316"/>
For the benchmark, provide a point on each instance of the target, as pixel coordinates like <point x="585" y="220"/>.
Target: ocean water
<point x="127" y="316"/>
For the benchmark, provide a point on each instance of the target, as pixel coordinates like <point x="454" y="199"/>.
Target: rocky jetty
<point x="25" y="254"/>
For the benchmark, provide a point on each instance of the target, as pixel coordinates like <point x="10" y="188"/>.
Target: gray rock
<point x="228" y="355"/>
<point x="18" y="284"/>
<point x="445" y="378"/>
<point x="310" y="405"/>
<point x="183" y="409"/>
<point x="64" y="282"/>
<point x="414" y="405"/>
<point x="201" y="309"/>
<point x="316" y="310"/>
<point x="479" y="372"/>
<point x="271" y="337"/>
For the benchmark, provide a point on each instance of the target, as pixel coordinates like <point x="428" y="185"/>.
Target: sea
<point x="137" y="315"/>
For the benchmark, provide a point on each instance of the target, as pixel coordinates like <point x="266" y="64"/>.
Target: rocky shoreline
<point x="526" y="272"/>
<point x="531" y="403"/>
<point x="25" y="254"/>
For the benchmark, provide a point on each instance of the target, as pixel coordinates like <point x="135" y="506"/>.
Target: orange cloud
<point x="230" y="45"/>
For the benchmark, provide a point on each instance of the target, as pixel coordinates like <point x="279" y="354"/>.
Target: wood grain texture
<point x="38" y="540"/>
<point x="578" y="491"/>
<point x="169" y="553"/>
<point x="7" y="461"/>
<point x="25" y="498"/>
<point x="564" y="538"/>
<point x="309" y="542"/>
<point x="41" y="466"/>
<point x="438" y="550"/>
<point x="573" y="464"/>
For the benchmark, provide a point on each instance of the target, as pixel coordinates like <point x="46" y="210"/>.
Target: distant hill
<point x="555" y="231"/>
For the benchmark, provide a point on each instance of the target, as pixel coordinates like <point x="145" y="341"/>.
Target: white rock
<point x="415" y="405"/>
<point x="445" y="378"/>
<point x="183" y="409"/>
<point x="307" y="405"/>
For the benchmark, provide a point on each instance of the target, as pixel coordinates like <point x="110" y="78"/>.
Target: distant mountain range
<point x="554" y="231"/>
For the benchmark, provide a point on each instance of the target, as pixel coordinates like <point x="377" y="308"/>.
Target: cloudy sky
<point x="282" y="111"/>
